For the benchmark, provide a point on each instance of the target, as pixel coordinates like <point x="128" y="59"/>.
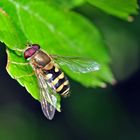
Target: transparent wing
<point x="47" y="99"/>
<point x="77" y="64"/>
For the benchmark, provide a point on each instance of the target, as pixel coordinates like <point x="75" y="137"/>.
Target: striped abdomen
<point x="57" y="79"/>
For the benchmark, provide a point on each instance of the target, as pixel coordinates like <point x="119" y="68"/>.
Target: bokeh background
<point x="112" y="113"/>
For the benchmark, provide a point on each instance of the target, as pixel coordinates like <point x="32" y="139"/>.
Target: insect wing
<point x="77" y="64"/>
<point x="47" y="99"/>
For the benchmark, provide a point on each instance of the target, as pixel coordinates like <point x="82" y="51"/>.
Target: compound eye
<point x="31" y="51"/>
<point x="35" y="47"/>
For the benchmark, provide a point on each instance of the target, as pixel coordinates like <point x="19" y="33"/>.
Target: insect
<point x="50" y="77"/>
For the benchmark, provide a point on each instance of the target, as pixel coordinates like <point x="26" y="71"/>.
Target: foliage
<point x="119" y="8"/>
<point x="59" y="30"/>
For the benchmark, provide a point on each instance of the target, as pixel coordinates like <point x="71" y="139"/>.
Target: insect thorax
<point x="41" y="59"/>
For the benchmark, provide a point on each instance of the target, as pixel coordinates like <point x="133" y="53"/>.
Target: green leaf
<point x="65" y="4"/>
<point x="57" y="32"/>
<point x="122" y="40"/>
<point x="119" y="8"/>
<point x="123" y="45"/>
<point x="22" y="73"/>
<point x="9" y="32"/>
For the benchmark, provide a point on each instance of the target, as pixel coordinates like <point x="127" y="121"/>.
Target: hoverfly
<point x="51" y="79"/>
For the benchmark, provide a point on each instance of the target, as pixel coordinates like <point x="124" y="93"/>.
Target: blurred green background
<point x="112" y="113"/>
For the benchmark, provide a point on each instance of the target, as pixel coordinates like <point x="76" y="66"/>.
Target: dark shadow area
<point x="111" y="114"/>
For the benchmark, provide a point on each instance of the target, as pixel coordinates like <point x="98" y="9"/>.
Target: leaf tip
<point x="103" y="85"/>
<point x="130" y="19"/>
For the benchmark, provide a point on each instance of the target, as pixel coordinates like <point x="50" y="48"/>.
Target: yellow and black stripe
<point x="57" y="78"/>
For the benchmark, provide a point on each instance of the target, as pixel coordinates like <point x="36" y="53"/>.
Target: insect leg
<point x="18" y="50"/>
